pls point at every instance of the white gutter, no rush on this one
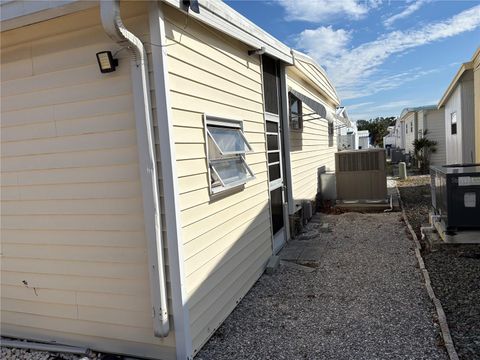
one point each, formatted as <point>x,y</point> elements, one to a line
<point>164,123</point>
<point>113,25</point>
<point>222,17</point>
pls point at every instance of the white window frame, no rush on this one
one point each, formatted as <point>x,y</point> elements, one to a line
<point>230,123</point>
<point>299,116</point>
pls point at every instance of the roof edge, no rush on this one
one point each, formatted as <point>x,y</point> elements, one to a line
<point>304,57</point>
<point>215,13</point>
<point>464,67</point>
<point>406,111</point>
<point>225,19</point>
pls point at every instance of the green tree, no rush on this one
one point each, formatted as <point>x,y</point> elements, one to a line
<point>377,128</point>
<point>423,148</point>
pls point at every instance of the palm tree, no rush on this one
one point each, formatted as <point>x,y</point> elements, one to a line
<point>423,148</point>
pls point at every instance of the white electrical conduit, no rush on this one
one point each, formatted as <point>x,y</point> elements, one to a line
<point>113,26</point>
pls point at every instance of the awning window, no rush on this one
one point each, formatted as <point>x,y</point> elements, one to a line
<point>231,172</point>
<point>229,141</point>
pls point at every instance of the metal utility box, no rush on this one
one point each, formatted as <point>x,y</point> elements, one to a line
<point>397,156</point>
<point>361,175</point>
<point>328,186</point>
<point>456,195</point>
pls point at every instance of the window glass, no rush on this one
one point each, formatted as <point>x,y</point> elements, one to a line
<point>273,157</point>
<point>272,142</point>
<point>231,171</point>
<point>227,145</point>
<point>270,84</point>
<point>272,127</point>
<point>296,120</point>
<point>453,119</point>
<point>228,140</point>
<point>277,209</point>
<point>274,172</point>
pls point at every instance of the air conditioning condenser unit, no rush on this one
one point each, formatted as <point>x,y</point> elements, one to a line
<point>361,175</point>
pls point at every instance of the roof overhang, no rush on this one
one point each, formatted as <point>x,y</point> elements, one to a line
<point>476,59</point>
<point>406,111</point>
<point>215,13</point>
<point>222,17</point>
<point>301,57</point>
<point>15,14</point>
<point>465,67</point>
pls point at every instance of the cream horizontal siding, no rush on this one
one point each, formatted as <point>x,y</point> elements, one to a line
<point>310,147</point>
<point>74,252</point>
<point>227,241</point>
<point>410,135</point>
<point>435,123</point>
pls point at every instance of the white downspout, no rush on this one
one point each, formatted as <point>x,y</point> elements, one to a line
<point>164,122</point>
<point>113,25</point>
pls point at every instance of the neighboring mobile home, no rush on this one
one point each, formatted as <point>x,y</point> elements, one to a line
<point>460,104</point>
<point>394,137</point>
<point>363,139</point>
<point>390,140</point>
<point>140,205</point>
<point>348,138</point>
<point>414,123</point>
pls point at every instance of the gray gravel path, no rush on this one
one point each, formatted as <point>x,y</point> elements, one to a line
<point>454,271</point>
<point>365,300</point>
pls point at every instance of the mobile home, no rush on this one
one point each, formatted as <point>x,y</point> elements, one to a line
<point>394,137</point>
<point>348,137</point>
<point>462,118</point>
<point>363,139</point>
<point>151,156</point>
<point>424,121</point>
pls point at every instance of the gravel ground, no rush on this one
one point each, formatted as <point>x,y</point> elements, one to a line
<point>455,275</point>
<point>417,200</point>
<point>365,300</point>
<point>25,354</point>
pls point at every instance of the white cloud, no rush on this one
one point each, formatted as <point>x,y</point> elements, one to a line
<point>410,9</point>
<point>325,40</point>
<point>377,84</point>
<point>322,10</point>
<point>352,69</point>
<point>372,110</point>
<point>359,105</point>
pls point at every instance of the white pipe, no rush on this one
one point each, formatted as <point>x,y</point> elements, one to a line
<point>113,25</point>
<point>164,122</point>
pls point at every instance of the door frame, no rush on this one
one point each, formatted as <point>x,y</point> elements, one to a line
<point>283,235</point>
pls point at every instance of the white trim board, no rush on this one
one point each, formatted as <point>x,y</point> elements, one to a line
<point>181,317</point>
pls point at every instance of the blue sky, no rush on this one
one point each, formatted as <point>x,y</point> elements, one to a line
<point>381,55</point>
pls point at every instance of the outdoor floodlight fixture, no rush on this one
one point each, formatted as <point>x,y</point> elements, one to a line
<point>106,62</point>
<point>192,5</point>
<point>260,51</point>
